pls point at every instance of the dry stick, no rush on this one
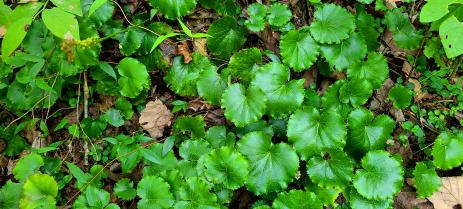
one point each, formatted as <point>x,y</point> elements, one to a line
<point>86,96</point>
<point>106,166</point>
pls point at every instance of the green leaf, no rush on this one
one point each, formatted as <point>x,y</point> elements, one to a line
<point>327,195</point>
<point>446,150</point>
<point>375,70</point>
<point>173,9</point>
<point>426,180</point>
<point>157,160</point>
<point>81,177</point>
<point>71,6</point>
<point>400,96</point>
<point>92,128</point>
<point>243,64</point>
<point>96,5</point>
<point>93,198</point>
<point>195,193</point>
<point>299,50</point>
<point>283,96</point>
<point>332,24</point>
<point>297,199</point>
<point>271,166</point>
<point>217,137</point>
<point>134,77</point>
<point>331,100</point>
<point>192,150</point>
<point>327,130</point>
<point>381,176</point>
<point>226,166</point>
<point>434,10</point>
<point>334,168</point>
<point>256,13</point>
<point>358,201</point>
<point>210,86</point>
<point>365,1</point>
<point>255,24</point>
<point>131,42</point>
<point>355,91</point>
<point>278,14</point>
<point>182,77</point>
<point>346,53</point>
<point>125,107</point>
<point>131,156</point>
<point>367,132</point>
<point>226,36</point>
<point>9,197</point>
<point>185,29</point>
<point>61,23</point>
<point>160,39</point>
<point>114,117</point>
<point>450,31</point>
<point>154,193</point>
<point>243,106</point>
<point>403,32</point>
<point>39,191</point>
<point>193,125</point>
<point>27,166</point>
<point>14,36</point>
<point>366,27</point>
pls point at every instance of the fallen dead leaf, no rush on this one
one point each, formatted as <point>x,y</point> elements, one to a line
<point>200,46</point>
<point>198,105</point>
<point>184,50</point>
<point>397,114</point>
<point>406,68</point>
<point>417,89</point>
<point>154,118</point>
<point>450,194</point>
<point>106,103</point>
<point>378,100</point>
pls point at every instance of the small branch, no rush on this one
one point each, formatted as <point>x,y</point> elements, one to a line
<point>86,96</point>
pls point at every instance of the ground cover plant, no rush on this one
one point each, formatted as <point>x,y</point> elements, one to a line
<point>231,104</point>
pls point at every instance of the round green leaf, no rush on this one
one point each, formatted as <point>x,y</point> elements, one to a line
<point>355,91</point>
<point>297,199</point>
<point>332,169</point>
<point>243,106</point>
<point>226,36</point>
<point>9,197</point>
<point>243,63</point>
<point>311,131</point>
<point>403,32</point>
<point>172,9</point>
<point>131,42</point>
<point>256,13</point>
<point>272,166</point>
<point>61,24</point>
<point>71,6</point>
<point>358,201</point>
<point>446,150</point>
<point>332,24</point>
<point>381,176</point>
<point>283,97</point>
<point>346,53</point>
<point>27,166</point>
<point>299,50</point>
<point>278,14</point>
<point>114,117</point>
<point>400,96</point>
<point>426,180</point>
<point>375,70</point>
<point>193,125</point>
<point>255,24</point>
<point>226,166</point>
<point>330,99</point>
<point>93,198</point>
<point>210,86</point>
<point>450,33</point>
<point>366,132</point>
<point>154,193</point>
<point>124,189</point>
<point>39,191</point>
<point>434,10</point>
<point>134,77</point>
<point>367,28</point>
<point>192,150</point>
<point>195,193</point>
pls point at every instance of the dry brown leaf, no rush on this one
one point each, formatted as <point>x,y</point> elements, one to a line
<point>450,194</point>
<point>155,117</point>
<point>417,88</point>
<point>184,50</point>
<point>200,46</point>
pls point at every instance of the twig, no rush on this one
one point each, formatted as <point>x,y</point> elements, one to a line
<point>86,96</point>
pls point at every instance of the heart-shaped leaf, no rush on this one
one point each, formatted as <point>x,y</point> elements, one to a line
<point>374,70</point>
<point>426,180</point>
<point>332,24</point>
<point>172,9</point>
<point>226,166</point>
<point>297,199</point>
<point>226,36</point>
<point>334,168</point>
<point>446,150</point>
<point>346,53</point>
<point>134,77</point>
<point>299,50</point>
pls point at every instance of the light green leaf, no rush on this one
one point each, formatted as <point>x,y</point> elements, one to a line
<point>27,166</point>
<point>226,36</point>
<point>154,193</point>
<point>403,32</point>
<point>61,24</point>
<point>358,201</point>
<point>14,36</point>
<point>375,70</point>
<point>400,96</point>
<point>331,100</point>
<point>255,24</point>
<point>367,132</point>
<point>446,150</point>
<point>39,191</point>
<point>299,50</point>
<point>93,198</point>
<point>114,117</point>
<point>278,14</point>
<point>434,10</point>
<point>450,33</point>
<point>96,5</point>
<point>185,29</point>
<point>332,24</point>
<point>381,176</point>
<point>346,53</point>
<point>355,91</point>
<point>226,166</point>
<point>194,125</point>
<point>426,180</point>
<point>160,39</point>
<point>297,199</point>
<point>9,198</point>
<point>334,168</point>
<point>156,160</point>
<point>195,193</point>
<point>284,96</point>
<point>367,28</point>
<point>327,130</point>
<point>272,166</point>
<point>365,1</point>
<point>71,6</point>
<point>134,77</point>
<point>243,106</point>
<point>210,86</point>
<point>256,10</point>
<point>173,9</point>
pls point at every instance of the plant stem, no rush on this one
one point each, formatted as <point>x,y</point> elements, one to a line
<point>86,96</point>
